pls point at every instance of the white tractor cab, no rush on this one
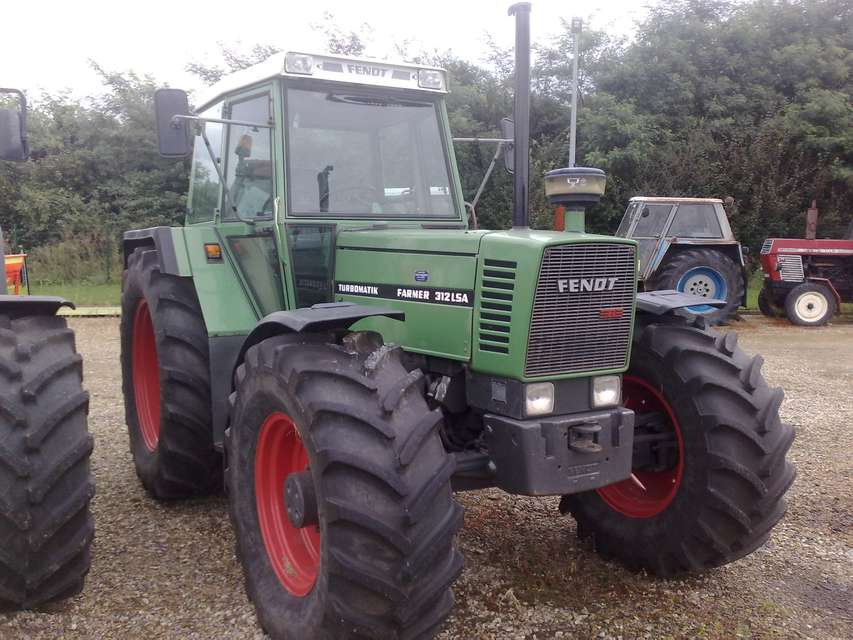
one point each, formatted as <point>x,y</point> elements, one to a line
<point>687,244</point>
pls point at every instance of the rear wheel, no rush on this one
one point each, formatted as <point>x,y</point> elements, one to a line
<point>709,467</point>
<point>340,495</point>
<point>707,273</point>
<point>166,381</point>
<point>766,306</point>
<point>46,528</point>
<point>810,304</point>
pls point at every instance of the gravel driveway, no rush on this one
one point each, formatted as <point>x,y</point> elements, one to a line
<point>168,571</point>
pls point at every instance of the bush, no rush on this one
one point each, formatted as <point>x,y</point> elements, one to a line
<point>90,257</point>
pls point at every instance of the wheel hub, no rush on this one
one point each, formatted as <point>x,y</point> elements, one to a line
<point>811,306</point>
<point>301,499</point>
<point>700,286</point>
<point>657,473</point>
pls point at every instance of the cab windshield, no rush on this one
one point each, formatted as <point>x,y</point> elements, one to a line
<point>357,154</point>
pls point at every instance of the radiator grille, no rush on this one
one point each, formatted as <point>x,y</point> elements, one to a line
<point>791,268</point>
<point>573,329</point>
<point>497,290</point>
<point>766,246</point>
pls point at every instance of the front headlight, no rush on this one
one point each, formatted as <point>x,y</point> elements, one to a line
<point>539,398</point>
<point>606,391</point>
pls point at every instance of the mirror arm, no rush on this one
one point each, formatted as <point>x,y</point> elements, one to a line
<point>198,119</point>
<point>228,201</point>
<point>491,168</point>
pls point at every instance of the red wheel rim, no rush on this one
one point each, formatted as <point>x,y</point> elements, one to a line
<point>658,487</point>
<point>146,376</point>
<point>293,553</point>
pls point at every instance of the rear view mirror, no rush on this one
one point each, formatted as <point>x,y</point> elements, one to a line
<point>173,134</point>
<point>13,129</point>
<point>508,133</point>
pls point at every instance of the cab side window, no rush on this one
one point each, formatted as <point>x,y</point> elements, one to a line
<point>205,187</point>
<point>249,167</point>
<point>695,221</point>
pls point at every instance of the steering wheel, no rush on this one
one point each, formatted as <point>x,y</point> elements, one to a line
<point>362,194</point>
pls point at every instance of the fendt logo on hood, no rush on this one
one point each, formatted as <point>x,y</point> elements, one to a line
<point>578,285</point>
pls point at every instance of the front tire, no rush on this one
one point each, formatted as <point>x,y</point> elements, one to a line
<point>708,273</point>
<point>810,305</point>
<point>712,487</point>
<point>165,366</point>
<point>46,485</point>
<point>378,558</point>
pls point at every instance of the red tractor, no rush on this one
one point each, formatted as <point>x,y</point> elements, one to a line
<point>807,279</point>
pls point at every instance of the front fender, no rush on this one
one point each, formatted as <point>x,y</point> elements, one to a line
<point>665,301</point>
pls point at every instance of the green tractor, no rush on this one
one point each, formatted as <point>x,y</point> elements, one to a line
<point>327,332</point>
<point>46,528</point>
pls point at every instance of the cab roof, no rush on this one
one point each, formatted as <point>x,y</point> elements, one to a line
<point>325,66</point>
<point>668,200</point>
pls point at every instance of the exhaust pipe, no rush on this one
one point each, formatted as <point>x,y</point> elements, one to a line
<point>521,115</point>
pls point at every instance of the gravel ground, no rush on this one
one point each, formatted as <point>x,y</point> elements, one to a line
<point>168,571</point>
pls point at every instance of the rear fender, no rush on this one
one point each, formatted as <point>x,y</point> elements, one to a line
<point>169,243</point>
<point>828,283</point>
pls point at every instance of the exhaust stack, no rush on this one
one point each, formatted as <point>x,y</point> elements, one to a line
<point>521,115</point>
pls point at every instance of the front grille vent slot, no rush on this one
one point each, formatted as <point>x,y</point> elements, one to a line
<point>497,292</point>
<point>767,246</point>
<point>791,268</point>
<point>580,323</point>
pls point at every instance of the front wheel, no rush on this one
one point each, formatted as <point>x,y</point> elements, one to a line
<point>340,497</point>
<point>709,468</point>
<point>810,305</point>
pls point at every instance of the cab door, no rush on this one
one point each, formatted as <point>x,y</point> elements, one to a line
<point>246,222</point>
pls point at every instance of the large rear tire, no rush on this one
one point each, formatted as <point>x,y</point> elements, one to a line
<point>378,556</point>
<point>708,273</point>
<point>165,366</point>
<point>712,487</point>
<point>766,306</point>
<point>46,528</point>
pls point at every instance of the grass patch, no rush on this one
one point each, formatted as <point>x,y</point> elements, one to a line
<point>82,294</point>
<point>753,286</point>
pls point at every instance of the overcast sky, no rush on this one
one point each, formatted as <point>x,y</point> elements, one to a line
<point>46,44</point>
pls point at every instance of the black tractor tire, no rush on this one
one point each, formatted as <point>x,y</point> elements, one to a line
<point>683,261</point>
<point>766,306</point>
<point>46,528</point>
<point>810,304</point>
<point>734,475</point>
<point>165,365</point>
<point>386,516</point>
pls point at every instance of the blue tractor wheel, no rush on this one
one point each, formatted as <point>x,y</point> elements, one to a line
<point>706,272</point>
<point>705,282</point>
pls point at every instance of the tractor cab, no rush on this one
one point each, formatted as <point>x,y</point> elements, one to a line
<point>687,244</point>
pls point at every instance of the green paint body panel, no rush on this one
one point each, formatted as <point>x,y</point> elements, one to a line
<point>393,257</point>
<point>225,303</point>
<point>440,254</point>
